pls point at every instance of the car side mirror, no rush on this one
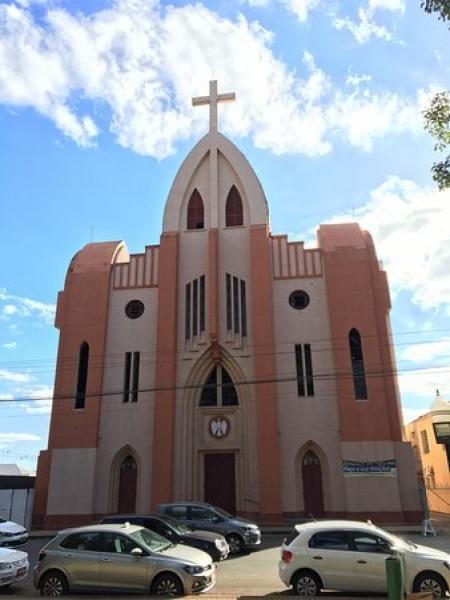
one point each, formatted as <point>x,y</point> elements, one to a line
<point>216,520</point>
<point>137,552</point>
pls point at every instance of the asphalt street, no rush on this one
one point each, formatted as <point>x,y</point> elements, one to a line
<point>252,574</point>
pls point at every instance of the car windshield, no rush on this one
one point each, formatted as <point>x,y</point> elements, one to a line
<point>177,525</point>
<point>222,513</point>
<point>396,541</point>
<point>151,540</point>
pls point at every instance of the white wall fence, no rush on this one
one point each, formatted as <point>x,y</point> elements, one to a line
<point>17,505</point>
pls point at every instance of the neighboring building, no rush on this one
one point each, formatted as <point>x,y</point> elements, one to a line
<point>16,494</point>
<point>226,364</point>
<point>430,437</point>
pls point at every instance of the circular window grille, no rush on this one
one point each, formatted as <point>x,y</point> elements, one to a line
<point>134,309</point>
<point>299,299</point>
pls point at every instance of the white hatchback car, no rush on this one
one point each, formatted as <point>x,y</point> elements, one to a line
<point>13,566</point>
<point>350,556</point>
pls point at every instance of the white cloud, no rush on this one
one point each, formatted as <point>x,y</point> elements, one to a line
<point>256,3</point>
<point>12,438</point>
<point>10,309</point>
<point>409,224</point>
<point>301,8</point>
<point>42,400</point>
<point>392,5</point>
<point>132,59</point>
<point>355,80</point>
<point>410,414</point>
<point>430,351</point>
<point>6,397</point>
<point>26,307</point>
<point>10,345</point>
<point>15,377</point>
<point>364,29</point>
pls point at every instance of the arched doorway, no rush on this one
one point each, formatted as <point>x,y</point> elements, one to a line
<point>127,485</point>
<point>312,485</point>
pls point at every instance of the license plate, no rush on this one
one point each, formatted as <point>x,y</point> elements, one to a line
<point>6,580</point>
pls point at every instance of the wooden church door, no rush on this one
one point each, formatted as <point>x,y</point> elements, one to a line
<point>312,485</point>
<point>220,481</point>
<point>127,485</point>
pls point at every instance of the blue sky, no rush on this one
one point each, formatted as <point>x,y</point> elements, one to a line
<point>95,118</point>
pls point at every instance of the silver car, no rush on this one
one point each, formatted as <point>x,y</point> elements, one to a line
<point>121,558</point>
<point>12,534</point>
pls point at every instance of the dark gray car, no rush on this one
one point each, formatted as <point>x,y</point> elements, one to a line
<point>239,532</point>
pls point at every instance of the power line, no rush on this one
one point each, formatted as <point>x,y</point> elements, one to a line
<point>331,376</point>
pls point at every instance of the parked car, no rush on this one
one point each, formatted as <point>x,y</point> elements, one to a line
<point>12,534</point>
<point>210,542</point>
<point>121,558</point>
<point>350,556</point>
<point>239,532</point>
<point>13,566</point>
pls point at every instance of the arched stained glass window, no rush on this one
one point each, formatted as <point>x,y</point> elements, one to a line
<point>356,355</point>
<point>195,211</point>
<point>219,389</point>
<point>83,364</point>
<point>233,208</point>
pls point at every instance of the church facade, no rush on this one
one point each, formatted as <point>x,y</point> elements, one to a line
<point>226,364</point>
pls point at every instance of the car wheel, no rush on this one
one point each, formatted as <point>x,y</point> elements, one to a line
<point>167,584</point>
<point>306,583</point>
<point>432,583</point>
<point>235,542</point>
<point>53,584</point>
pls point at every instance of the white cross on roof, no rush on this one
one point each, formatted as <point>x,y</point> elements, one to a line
<point>212,100</point>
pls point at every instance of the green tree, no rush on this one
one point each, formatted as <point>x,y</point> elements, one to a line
<point>437,115</point>
<point>440,6</point>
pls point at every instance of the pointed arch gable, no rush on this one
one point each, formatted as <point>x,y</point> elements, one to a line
<point>258,213</point>
<point>234,214</point>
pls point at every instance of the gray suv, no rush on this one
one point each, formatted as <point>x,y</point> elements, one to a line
<point>121,558</point>
<point>240,533</point>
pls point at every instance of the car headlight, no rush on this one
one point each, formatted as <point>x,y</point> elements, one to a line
<point>193,570</point>
<point>5,566</point>
<point>218,544</point>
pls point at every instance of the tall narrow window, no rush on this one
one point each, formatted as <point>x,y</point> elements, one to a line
<point>236,304</point>
<point>309,371</point>
<point>195,307</point>
<point>202,303</point>
<point>233,208</point>
<point>356,355</point>
<point>187,315</point>
<point>299,367</point>
<point>243,309</point>
<point>135,383</point>
<point>229,394</point>
<point>228,292</point>
<point>195,211</point>
<point>209,391</point>
<point>83,364</point>
<point>127,377</point>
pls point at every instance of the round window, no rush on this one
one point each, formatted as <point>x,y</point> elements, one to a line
<point>299,299</point>
<point>134,309</point>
